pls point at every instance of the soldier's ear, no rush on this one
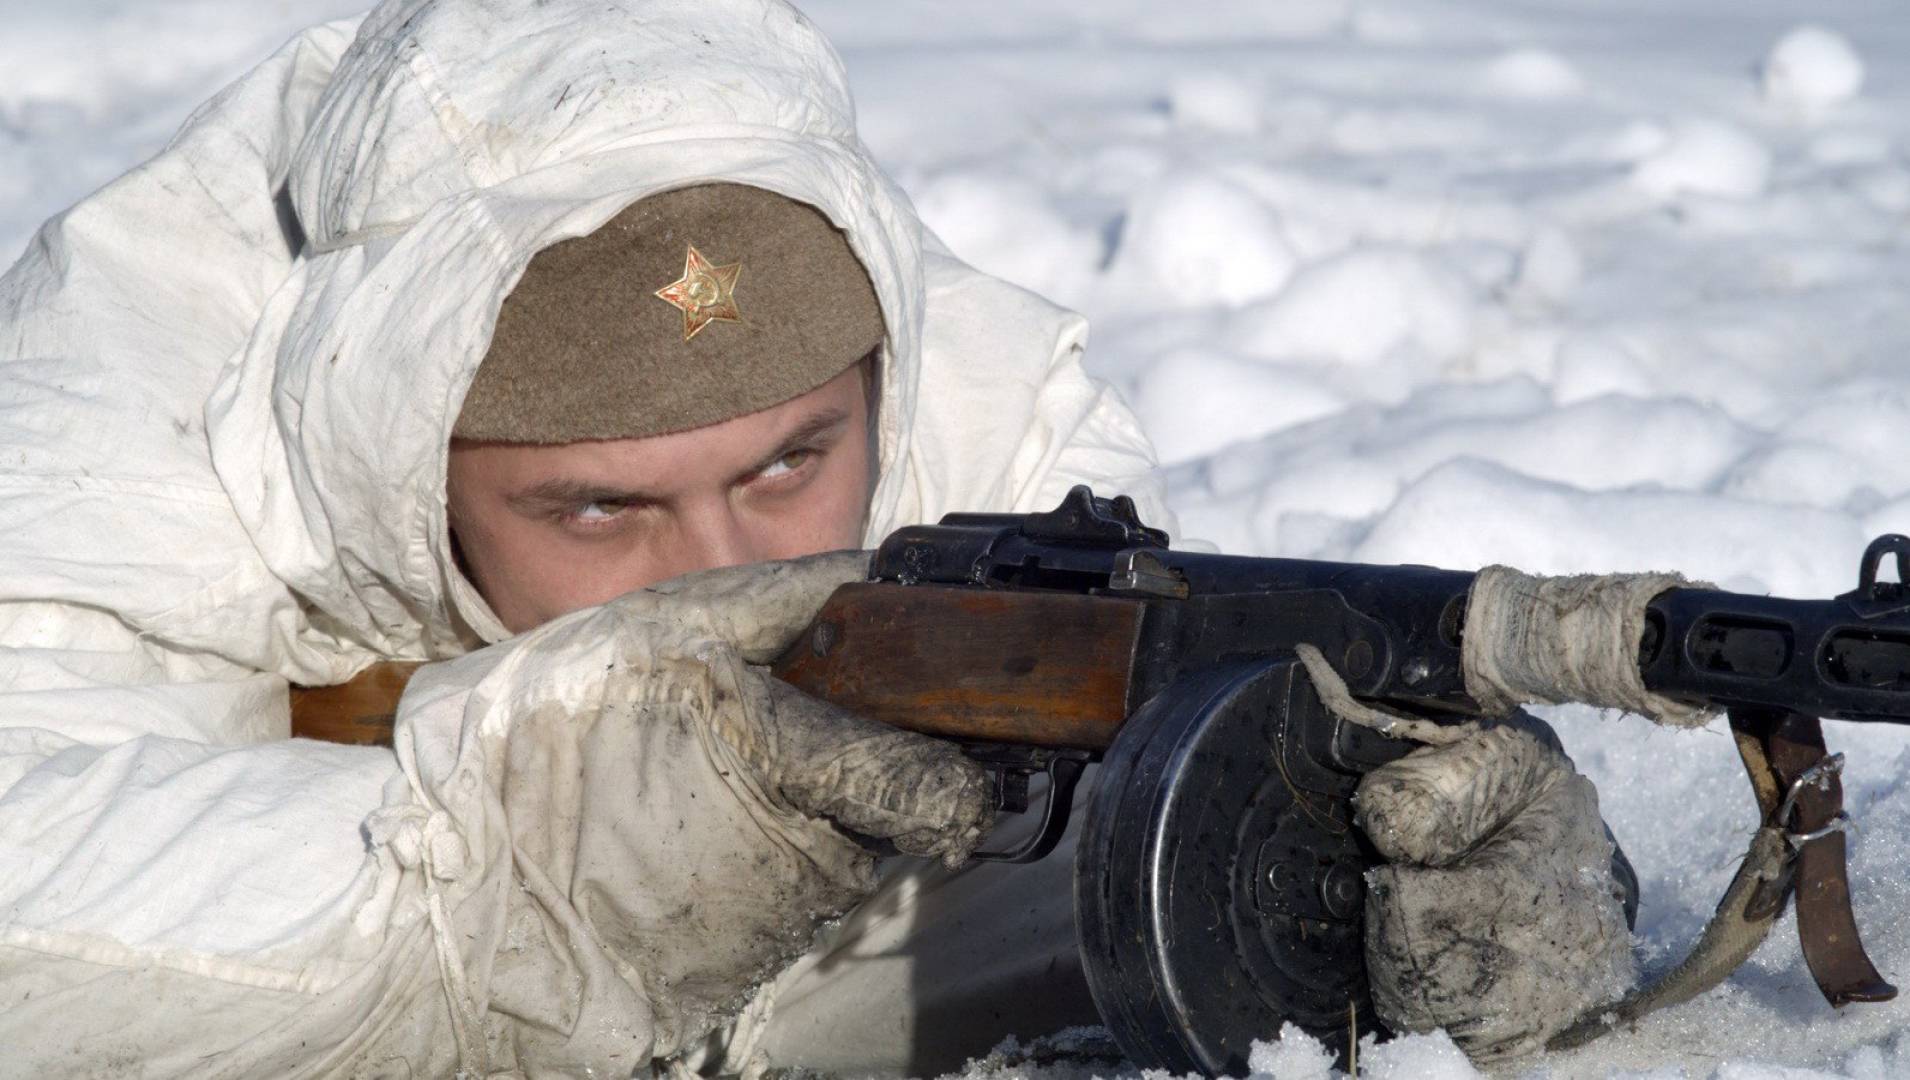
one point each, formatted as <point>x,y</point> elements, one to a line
<point>872,401</point>
<point>872,380</point>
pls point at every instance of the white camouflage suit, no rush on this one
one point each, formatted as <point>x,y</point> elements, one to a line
<point>227,383</point>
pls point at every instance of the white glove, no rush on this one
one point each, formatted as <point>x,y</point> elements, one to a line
<point>1499,915</point>
<point>743,786</point>
<point>805,753</point>
<point>673,815</point>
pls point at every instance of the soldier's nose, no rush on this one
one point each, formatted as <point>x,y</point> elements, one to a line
<point>715,537</point>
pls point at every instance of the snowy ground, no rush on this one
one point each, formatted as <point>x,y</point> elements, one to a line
<point>1570,286</point>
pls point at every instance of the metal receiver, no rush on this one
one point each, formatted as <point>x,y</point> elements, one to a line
<point>1219,881</point>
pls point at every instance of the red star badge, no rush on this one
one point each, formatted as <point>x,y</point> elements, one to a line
<point>704,293</point>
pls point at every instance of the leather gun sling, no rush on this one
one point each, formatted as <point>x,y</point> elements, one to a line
<point>1793,743</point>
<point>1778,748</point>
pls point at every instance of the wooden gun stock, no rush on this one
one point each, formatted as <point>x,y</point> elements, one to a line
<point>1042,669</point>
<point>359,712</point>
<point>1046,669</point>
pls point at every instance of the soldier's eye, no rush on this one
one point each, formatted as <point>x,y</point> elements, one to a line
<point>787,464</point>
<point>595,513</point>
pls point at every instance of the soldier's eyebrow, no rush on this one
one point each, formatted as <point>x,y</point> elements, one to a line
<point>823,427</point>
<point>563,493</point>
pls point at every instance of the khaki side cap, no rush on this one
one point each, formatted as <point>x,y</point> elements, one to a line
<point>585,349</point>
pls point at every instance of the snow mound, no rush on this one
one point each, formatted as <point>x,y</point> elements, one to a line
<point>1195,240</point>
<point>1360,308</point>
<point>1592,364</point>
<point>1295,1055</point>
<point>1010,227</point>
<point>1812,67</point>
<point>1706,158</point>
<point>1415,1057</point>
<point>1550,267</point>
<point>1532,73</point>
<point>1197,401</point>
<point>1214,102</point>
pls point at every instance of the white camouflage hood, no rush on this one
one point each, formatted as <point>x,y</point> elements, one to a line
<point>455,140</point>
<point>227,383</point>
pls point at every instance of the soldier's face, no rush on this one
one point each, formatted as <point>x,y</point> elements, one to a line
<point>545,530</point>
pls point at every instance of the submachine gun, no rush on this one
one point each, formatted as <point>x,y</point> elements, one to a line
<point>1219,880</point>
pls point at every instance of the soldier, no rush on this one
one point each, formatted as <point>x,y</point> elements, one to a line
<point>464,334</point>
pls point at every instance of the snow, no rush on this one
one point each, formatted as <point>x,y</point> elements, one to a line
<point>1195,240</point>
<point>1533,73</point>
<point>1216,102</point>
<point>1706,158</point>
<point>1574,287</point>
<point>1812,67</point>
<point>1293,1056</point>
<point>1363,307</point>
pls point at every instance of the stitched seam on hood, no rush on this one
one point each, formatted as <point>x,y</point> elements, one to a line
<point>423,572</point>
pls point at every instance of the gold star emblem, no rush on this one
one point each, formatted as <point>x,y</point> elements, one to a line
<point>704,293</point>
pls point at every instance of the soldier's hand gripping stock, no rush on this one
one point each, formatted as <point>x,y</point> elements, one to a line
<point>702,816</point>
